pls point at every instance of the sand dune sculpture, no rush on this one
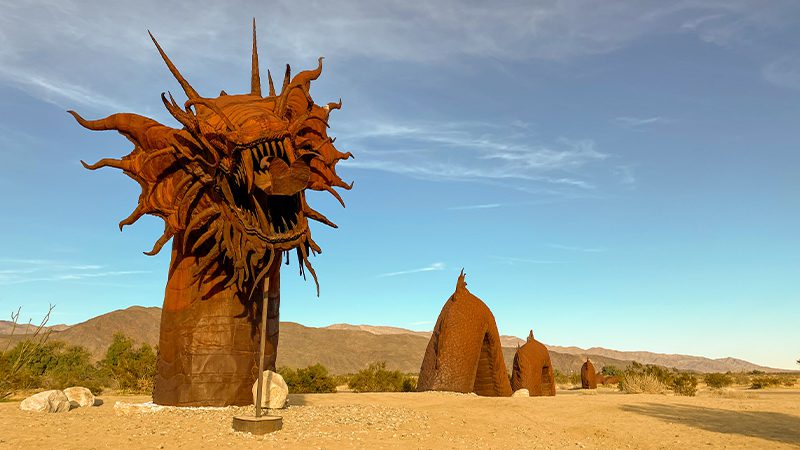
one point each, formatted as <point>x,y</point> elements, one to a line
<point>532,369</point>
<point>464,352</point>
<point>588,377</point>
<point>230,187</point>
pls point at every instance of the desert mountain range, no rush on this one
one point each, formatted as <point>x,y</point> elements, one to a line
<point>344,348</point>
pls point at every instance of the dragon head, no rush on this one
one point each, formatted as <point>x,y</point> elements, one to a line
<point>230,185</point>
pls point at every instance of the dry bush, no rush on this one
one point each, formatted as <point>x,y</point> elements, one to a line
<point>764,382</point>
<point>684,384</point>
<point>641,383</point>
<point>14,362</point>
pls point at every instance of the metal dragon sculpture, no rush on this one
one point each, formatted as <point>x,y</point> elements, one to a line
<point>230,187</point>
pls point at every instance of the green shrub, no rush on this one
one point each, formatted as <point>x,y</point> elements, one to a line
<point>684,384</point>
<point>764,382</point>
<point>612,371</point>
<point>311,380</point>
<point>130,369</point>
<point>376,378</point>
<point>559,377</point>
<point>52,365</point>
<point>718,380</point>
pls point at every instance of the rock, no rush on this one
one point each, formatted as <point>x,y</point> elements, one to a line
<point>80,395</point>
<point>46,401</point>
<point>521,393</point>
<point>275,391</point>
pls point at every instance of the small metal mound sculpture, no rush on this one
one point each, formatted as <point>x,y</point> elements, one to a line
<point>464,353</point>
<point>532,369</point>
<point>230,187</point>
<point>606,380</point>
<point>588,377</point>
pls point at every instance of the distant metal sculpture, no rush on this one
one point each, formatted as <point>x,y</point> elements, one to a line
<point>464,352</point>
<point>229,186</point>
<point>588,380</point>
<point>532,369</point>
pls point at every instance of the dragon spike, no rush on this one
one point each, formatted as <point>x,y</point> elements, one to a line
<point>271,86</point>
<point>286,78</point>
<point>255,78</point>
<point>187,88</point>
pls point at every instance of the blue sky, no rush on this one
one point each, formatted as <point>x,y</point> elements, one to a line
<point>609,173</point>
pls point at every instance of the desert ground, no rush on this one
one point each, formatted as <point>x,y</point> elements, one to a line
<point>573,419</point>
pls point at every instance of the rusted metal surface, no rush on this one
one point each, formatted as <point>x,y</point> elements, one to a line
<point>464,353</point>
<point>230,187</point>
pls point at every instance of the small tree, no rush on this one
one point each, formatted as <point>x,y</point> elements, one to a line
<point>132,369</point>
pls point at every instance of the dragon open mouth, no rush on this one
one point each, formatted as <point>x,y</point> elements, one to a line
<point>269,190</point>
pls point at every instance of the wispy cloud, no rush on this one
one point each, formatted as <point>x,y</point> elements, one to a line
<point>638,122</point>
<point>577,248</point>
<point>72,42</point>
<point>784,72</point>
<point>20,270</point>
<point>430,268</point>
<point>470,151</point>
<point>626,175</point>
<point>423,322</point>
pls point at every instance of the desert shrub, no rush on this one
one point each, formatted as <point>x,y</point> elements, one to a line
<point>14,373</point>
<point>130,369</point>
<point>311,380</point>
<point>375,378</point>
<point>559,377</point>
<point>641,383</point>
<point>72,366</point>
<point>765,381</point>
<point>718,380</point>
<point>662,374</point>
<point>53,365</point>
<point>409,384</point>
<point>788,381</point>
<point>740,378</point>
<point>612,371</point>
<point>684,384</point>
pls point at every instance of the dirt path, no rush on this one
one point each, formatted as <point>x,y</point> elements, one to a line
<point>572,419</point>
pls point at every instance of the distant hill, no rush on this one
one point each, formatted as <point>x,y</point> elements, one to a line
<point>137,322</point>
<point>7,327</point>
<point>345,348</point>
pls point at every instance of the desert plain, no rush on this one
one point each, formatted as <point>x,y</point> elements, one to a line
<point>605,418</point>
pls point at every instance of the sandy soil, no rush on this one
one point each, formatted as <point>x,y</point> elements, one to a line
<point>572,419</point>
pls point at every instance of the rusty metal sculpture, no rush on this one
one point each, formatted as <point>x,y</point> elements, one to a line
<point>230,187</point>
<point>588,377</point>
<point>532,369</point>
<point>464,352</point>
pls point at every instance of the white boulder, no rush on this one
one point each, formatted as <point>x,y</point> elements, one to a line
<point>274,391</point>
<point>46,401</point>
<point>80,395</point>
<point>521,393</point>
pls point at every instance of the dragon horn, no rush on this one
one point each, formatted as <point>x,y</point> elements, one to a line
<point>187,88</point>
